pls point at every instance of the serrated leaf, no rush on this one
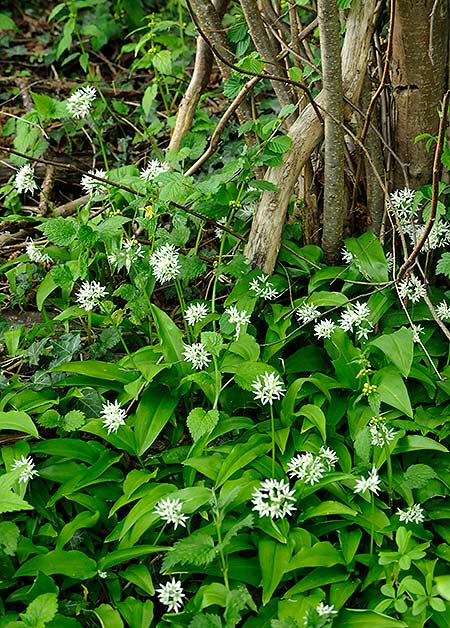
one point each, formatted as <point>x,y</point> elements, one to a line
<point>11,502</point>
<point>233,85</point>
<point>213,342</point>
<point>162,61</point>
<point>280,144</point>
<point>149,97</point>
<point>40,611</point>
<point>200,422</point>
<point>61,231</point>
<point>443,265</point>
<point>175,187</point>
<point>73,420</point>
<point>197,549</point>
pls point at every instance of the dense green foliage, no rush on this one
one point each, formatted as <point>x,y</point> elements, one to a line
<point>166,382</point>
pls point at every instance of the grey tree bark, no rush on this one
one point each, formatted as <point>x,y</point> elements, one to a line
<point>265,235</point>
<point>419,79</point>
<point>333,194</point>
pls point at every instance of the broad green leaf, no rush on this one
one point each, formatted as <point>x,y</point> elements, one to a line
<point>72,448</point>
<point>18,421</point>
<point>273,560</point>
<point>392,390</point>
<point>349,618</point>
<point>162,61</point>
<point>40,611</point>
<point>9,537</point>
<point>11,502</point>
<point>129,553</point>
<point>415,442</point>
<point>97,369</point>
<point>200,422</point>
<point>319,577</point>
<point>155,409</point>
<point>140,576</point>
<point>149,97</point>
<point>279,144</point>
<point>368,256</point>
<point>171,336</point>
<point>6,23</point>
<point>316,417</point>
<point>88,476</point>
<point>398,347</point>
<point>418,476</point>
<point>328,508</point>
<point>443,586</point>
<point>84,519</point>
<point>137,614</point>
<point>108,616</point>
<point>322,554</point>
<point>241,455</point>
<point>74,564</point>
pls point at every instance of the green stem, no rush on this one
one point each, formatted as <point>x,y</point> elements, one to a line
<point>89,325</point>
<point>372,526</point>
<point>389,473</point>
<point>218,382</point>
<point>272,427</point>
<point>223,560</point>
<point>182,303</point>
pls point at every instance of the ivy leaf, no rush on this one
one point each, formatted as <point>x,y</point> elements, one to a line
<point>64,348</point>
<point>61,231</point>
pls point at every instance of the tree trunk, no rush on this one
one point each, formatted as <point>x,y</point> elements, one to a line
<point>419,80</point>
<point>265,236</point>
<point>333,194</point>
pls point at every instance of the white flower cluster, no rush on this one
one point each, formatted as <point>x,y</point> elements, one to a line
<point>27,468</point>
<point>402,202</point>
<point>311,468</point>
<point>197,355</point>
<point>195,313</point>
<point>443,311</point>
<point>113,416</point>
<point>166,263</point>
<point>80,103</point>
<point>273,499</point>
<point>35,254</point>
<point>238,318</point>
<point>92,186</point>
<point>218,231</point>
<point>411,288</point>
<point>24,179</point>
<point>355,318</point>
<point>128,254</point>
<point>170,511</point>
<point>370,483</point>
<point>325,328</point>
<point>347,256</point>
<point>417,331</point>
<point>171,595</point>
<point>268,387</point>
<point>412,514</point>
<point>90,295</point>
<point>306,313</point>
<point>380,435</point>
<point>247,211</point>
<point>154,168</point>
<point>263,288</point>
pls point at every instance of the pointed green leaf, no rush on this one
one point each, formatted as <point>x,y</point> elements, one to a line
<point>18,421</point>
<point>74,564</point>
<point>398,347</point>
<point>108,616</point>
<point>155,409</point>
<point>273,560</point>
<point>392,390</point>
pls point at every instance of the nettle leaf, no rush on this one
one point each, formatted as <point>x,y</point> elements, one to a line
<point>40,611</point>
<point>418,476</point>
<point>212,341</point>
<point>73,420</point>
<point>279,144</point>
<point>197,549</point>
<point>11,502</point>
<point>206,621</point>
<point>9,537</point>
<point>61,231</point>
<point>443,265</point>
<point>174,187</point>
<point>200,422</point>
<point>162,61</point>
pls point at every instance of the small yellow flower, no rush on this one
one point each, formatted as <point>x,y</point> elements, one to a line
<point>148,211</point>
